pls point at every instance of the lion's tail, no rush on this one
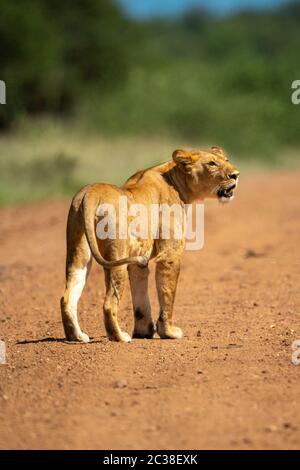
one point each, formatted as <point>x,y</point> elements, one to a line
<point>90,203</point>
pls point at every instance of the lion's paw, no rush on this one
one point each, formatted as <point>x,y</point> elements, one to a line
<point>170,332</point>
<point>143,331</point>
<point>79,338</point>
<point>122,338</point>
<point>126,338</point>
<point>174,333</point>
<point>83,338</point>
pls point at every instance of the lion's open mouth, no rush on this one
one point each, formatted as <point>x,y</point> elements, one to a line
<point>226,194</point>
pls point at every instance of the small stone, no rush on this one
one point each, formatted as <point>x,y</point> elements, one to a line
<point>247,441</point>
<point>250,253</point>
<point>199,371</point>
<point>121,383</point>
<point>272,326</point>
<point>287,426</point>
<point>272,428</point>
<point>199,333</point>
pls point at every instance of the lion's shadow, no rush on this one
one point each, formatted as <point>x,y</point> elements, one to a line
<point>52,339</point>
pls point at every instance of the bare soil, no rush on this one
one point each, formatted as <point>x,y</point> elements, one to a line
<point>229,383</point>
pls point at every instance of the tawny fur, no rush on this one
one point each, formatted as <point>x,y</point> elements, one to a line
<point>189,176</point>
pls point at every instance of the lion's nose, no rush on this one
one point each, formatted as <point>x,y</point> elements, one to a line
<point>234,175</point>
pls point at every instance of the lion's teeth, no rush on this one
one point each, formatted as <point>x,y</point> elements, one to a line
<point>226,199</point>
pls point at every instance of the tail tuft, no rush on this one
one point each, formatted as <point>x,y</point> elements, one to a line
<point>142,261</point>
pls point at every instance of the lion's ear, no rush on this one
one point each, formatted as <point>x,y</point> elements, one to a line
<point>217,150</point>
<point>184,159</point>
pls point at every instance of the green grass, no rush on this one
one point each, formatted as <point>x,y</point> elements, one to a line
<point>47,159</point>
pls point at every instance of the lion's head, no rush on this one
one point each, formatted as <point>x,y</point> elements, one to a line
<point>209,174</point>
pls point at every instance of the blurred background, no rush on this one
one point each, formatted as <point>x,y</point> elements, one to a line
<point>96,89</point>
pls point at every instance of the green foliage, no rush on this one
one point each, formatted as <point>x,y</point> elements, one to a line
<point>224,81</point>
<point>51,51</point>
<point>39,178</point>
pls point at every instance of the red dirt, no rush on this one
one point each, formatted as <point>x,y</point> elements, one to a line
<point>232,385</point>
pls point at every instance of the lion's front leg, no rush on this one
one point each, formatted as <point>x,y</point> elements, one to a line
<point>143,324</point>
<point>167,273</point>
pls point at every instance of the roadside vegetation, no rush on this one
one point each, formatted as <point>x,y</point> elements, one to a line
<point>93,95</point>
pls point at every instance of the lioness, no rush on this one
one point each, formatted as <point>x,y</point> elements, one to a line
<point>189,176</point>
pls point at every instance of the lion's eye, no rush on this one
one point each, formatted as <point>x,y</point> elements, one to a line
<point>212,163</point>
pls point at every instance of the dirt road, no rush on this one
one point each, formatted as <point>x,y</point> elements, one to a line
<point>228,384</point>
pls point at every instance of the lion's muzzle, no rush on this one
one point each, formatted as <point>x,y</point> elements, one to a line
<point>225,193</point>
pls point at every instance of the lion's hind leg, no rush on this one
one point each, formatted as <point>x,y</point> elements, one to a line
<point>114,280</point>
<point>77,269</point>
<point>74,287</point>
